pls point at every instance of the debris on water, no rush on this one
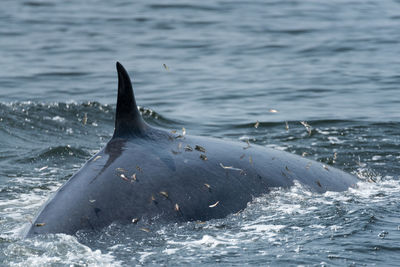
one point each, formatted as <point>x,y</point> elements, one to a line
<point>334,157</point>
<point>96,158</point>
<point>248,144</point>
<point>188,148</point>
<point>165,67</point>
<point>139,169</point>
<point>175,152</point>
<point>214,205</point>
<point>173,131</point>
<point>153,199</point>
<point>164,194</point>
<point>242,156</point>
<point>176,207</point>
<point>135,220</point>
<point>229,167</point>
<point>183,131</point>
<point>208,186</point>
<point>200,148</point>
<point>304,154</point>
<point>243,172</point>
<point>92,200</point>
<point>40,224</point>
<point>325,167</point>
<point>124,177</point>
<point>203,157</point>
<point>257,124</point>
<point>308,165</point>
<point>133,177</point>
<point>286,126</point>
<point>318,183</point>
<point>147,230</point>
<point>383,234</point>
<point>84,119</point>
<point>43,168</point>
<point>120,170</point>
<point>200,222</point>
<point>307,126</point>
<point>273,110</point>
<point>237,213</point>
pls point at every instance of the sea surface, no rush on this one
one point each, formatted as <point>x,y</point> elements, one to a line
<point>216,68</point>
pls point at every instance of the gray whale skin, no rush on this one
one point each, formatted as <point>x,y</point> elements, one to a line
<point>145,173</point>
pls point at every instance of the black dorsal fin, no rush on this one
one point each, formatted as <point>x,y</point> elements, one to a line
<point>128,121</point>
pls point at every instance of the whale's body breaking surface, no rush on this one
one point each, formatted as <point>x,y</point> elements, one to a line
<point>145,173</point>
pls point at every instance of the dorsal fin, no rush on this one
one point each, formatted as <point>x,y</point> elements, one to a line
<point>128,121</point>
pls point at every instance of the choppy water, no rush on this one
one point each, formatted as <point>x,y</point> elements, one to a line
<point>333,64</point>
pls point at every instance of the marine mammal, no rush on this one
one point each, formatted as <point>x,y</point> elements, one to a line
<point>144,173</point>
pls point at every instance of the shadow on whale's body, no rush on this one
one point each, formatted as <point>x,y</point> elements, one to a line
<point>144,173</point>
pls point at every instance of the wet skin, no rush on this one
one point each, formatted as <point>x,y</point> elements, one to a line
<point>146,173</point>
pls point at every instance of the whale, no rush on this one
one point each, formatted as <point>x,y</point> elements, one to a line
<point>160,176</point>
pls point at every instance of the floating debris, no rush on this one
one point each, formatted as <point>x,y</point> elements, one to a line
<point>308,127</point>
<point>243,172</point>
<point>135,220</point>
<point>153,199</point>
<point>200,222</point>
<point>40,224</point>
<point>43,168</point>
<point>96,158</point>
<point>124,177</point>
<point>200,148</point>
<point>304,154</point>
<point>237,213</point>
<point>214,205</point>
<point>173,131</point>
<point>176,207</point>
<point>147,230</point>
<point>325,167</point>
<point>308,165</point>
<point>139,169</point>
<point>92,200</point>
<point>183,131</point>
<point>188,148</point>
<point>229,167</point>
<point>203,157</point>
<point>133,177</point>
<point>208,186</point>
<point>165,67</point>
<point>257,124</point>
<point>84,119</point>
<point>273,110</point>
<point>318,183</point>
<point>164,194</point>
<point>242,156</point>
<point>120,170</point>
<point>334,157</point>
<point>248,144</point>
<point>286,126</point>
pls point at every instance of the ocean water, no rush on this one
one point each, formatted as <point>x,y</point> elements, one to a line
<point>215,68</point>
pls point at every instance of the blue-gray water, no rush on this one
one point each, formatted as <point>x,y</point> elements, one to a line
<point>334,64</point>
